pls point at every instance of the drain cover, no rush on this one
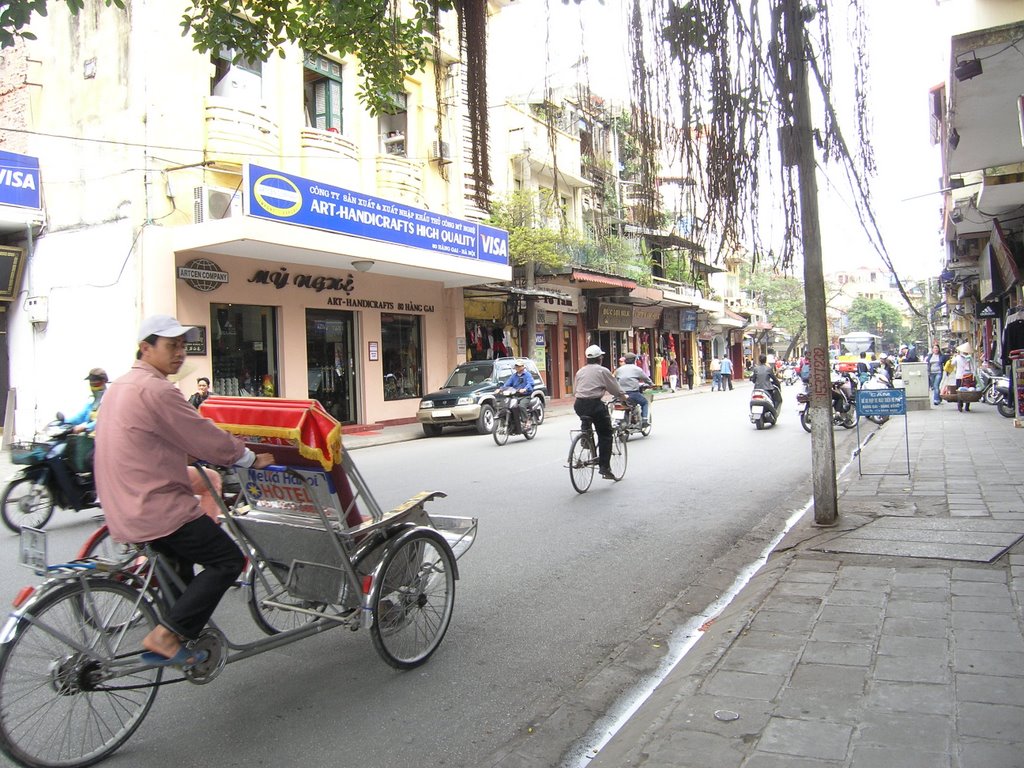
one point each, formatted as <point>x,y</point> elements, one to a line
<point>973,539</point>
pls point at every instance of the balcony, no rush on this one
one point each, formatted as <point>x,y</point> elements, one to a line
<point>236,129</point>
<point>319,145</point>
<point>400,179</point>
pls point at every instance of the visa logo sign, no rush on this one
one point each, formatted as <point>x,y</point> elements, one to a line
<point>493,244</point>
<point>19,180</point>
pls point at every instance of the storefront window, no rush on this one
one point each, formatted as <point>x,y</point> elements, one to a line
<point>402,355</point>
<point>331,362</point>
<point>244,349</point>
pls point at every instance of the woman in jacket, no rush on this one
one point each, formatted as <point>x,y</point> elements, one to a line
<point>935,362</point>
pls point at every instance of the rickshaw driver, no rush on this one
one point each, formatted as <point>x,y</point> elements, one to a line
<point>592,381</point>
<point>143,445</point>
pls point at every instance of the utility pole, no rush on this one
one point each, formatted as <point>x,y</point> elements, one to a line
<point>823,449</point>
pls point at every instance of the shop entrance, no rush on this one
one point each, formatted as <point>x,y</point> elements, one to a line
<point>331,362</point>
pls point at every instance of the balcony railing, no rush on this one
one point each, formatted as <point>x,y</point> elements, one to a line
<point>236,129</point>
<point>400,178</point>
<point>319,145</point>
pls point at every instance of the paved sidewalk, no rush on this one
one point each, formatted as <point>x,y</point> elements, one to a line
<point>886,641</point>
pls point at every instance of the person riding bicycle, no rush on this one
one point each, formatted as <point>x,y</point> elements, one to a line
<point>631,377</point>
<point>592,381</point>
<point>522,382</point>
<point>143,444</point>
<point>764,378</point>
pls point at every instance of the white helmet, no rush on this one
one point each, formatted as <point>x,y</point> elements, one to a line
<point>594,352</point>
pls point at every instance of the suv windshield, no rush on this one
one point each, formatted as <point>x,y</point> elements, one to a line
<point>469,374</point>
<point>503,370</point>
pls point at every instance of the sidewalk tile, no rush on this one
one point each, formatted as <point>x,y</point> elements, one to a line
<point>924,698</point>
<point>856,597</point>
<point>769,639</point>
<point>975,753</point>
<point>988,662</point>
<point>851,614</point>
<point>989,621</point>
<point>915,610</point>
<point>805,738</point>
<point>913,669</point>
<point>892,729</point>
<point>694,748</point>
<point>979,574</point>
<point>768,760</point>
<point>844,632</point>
<point>744,685</point>
<point>901,626</point>
<point>901,645</point>
<point>976,604</point>
<point>898,757</point>
<point>985,640</point>
<point>978,588</point>
<point>845,654</point>
<point>990,721</point>
<point>759,661</point>
<point>991,689</point>
<point>927,579</point>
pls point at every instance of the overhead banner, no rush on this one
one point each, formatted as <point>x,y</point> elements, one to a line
<point>19,180</point>
<point>278,196</point>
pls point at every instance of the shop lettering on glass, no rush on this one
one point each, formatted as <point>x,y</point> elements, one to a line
<point>280,278</point>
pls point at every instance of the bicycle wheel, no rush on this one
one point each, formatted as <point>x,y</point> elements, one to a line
<point>413,606</point>
<point>100,545</point>
<point>805,419</point>
<point>500,433</point>
<point>618,460</point>
<point>582,460</point>
<point>26,503</point>
<point>58,704</point>
<point>268,618</point>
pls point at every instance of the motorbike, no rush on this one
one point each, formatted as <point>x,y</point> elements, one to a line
<point>790,376</point>
<point>1005,403</point>
<point>989,373</point>
<point>765,405</point>
<point>507,416</point>
<point>628,419</point>
<point>842,404</point>
<point>878,380</point>
<point>46,480</point>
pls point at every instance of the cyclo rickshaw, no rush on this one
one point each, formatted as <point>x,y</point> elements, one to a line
<point>322,554</point>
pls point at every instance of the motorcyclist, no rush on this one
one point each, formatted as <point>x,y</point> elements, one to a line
<point>631,377</point>
<point>521,382</point>
<point>764,378</point>
<point>592,381</point>
<point>888,367</point>
<point>85,419</point>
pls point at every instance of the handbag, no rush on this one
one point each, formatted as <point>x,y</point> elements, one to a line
<point>950,366</point>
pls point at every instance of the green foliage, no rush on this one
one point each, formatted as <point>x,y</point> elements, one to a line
<point>782,297</point>
<point>878,317</point>
<point>528,239</point>
<point>388,47</point>
<point>15,15</point>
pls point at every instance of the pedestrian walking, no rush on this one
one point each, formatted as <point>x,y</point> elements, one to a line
<point>726,372</point>
<point>689,373</point>
<point>716,374</point>
<point>964,372</point>
<point>936,361</point>
<point>673,374</point>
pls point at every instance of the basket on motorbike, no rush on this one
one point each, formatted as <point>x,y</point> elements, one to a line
<point>28,453</point>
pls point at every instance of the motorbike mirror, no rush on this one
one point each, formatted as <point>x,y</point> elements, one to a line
<point>60,416</point>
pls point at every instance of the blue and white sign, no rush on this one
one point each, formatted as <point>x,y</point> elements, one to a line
<point>19,180</point>
<point>881,402</point>
<point>280,196</point>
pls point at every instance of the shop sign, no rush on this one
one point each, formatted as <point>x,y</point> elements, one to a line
<point>614,317</point>
<point>202,275</point>
<point>670,320</point>
<point>986,309</point>
<point>19,180</point>
<point>646,317</point>
<point>279,196</point>
<point>11,260</point>
<point>298,490</point>
<point>281,278</point>
<point>198,344</point>
<point>688,320</point>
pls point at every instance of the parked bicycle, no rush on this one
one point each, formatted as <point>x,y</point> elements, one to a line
<point>583,461</point>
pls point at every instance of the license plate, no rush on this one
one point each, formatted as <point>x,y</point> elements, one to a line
<point>756,410</point>
<point>441,414</point>
<point>618,415</point>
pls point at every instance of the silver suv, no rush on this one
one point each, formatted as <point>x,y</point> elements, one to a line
<point>467,397</point>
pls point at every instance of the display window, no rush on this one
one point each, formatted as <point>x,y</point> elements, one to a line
<point>244,350</point>
<point>402,356</point>
<point>331,362</point>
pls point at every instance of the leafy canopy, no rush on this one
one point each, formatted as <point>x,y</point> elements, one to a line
<point>878,317</point>
<point>388,46</point>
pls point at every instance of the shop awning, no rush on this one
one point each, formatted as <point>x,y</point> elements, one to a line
<point>569,179</point>
<point>583,278</point>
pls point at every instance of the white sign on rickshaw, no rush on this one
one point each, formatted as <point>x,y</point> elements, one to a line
<point>297,490</point>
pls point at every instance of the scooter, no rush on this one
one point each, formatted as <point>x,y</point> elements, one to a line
<point>507,416</point>
<point>765,405</point>
<point>628,418</point>
<point>842,404</point>
<point>1005,403</point>
<point>989,373</point>
<point>46,480</point>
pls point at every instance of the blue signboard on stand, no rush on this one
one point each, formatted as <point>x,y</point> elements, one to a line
<point>881,402</point>
<point>279,196</point>
<point>19,180</point>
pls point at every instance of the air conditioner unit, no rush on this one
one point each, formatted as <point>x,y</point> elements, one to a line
<point>439,150</point>
<point>211,203</point>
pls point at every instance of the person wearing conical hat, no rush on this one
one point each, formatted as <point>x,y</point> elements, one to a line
<point>964,371</point>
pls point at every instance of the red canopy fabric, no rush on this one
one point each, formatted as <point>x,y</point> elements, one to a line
<point>300,423</point>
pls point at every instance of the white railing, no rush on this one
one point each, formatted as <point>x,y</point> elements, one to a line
<point>236,129</point>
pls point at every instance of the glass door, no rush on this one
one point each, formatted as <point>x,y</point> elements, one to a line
<point>331,362</point>
<point>569,358</point>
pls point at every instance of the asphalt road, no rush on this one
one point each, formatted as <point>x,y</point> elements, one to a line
<point>556,583</point>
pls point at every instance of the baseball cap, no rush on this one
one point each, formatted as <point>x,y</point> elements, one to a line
<point>165,325</point>
<point>520,364</point>
<point>97,374</point>
<point>593,352</point>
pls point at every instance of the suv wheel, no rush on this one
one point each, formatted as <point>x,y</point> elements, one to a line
<point>432,430</point>
<point>538,410</point>
<point>485,421</point>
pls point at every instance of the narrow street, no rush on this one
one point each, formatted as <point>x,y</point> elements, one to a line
<point>556,583</point>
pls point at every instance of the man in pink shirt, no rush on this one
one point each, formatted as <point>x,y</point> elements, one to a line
<point>143,444</point>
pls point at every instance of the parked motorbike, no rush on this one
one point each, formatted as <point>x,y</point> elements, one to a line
<point>628,418</point>
<point>989,373</point>
<point>790,376</point>
<point>765,405</point>
<point>842,404</point>
<point>1005,402</point>
<point>507,416</point>
<point>47,479</point>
